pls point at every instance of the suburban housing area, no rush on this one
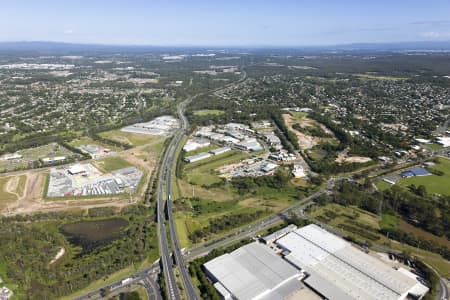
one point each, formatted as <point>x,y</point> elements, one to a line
<point>195,173</point>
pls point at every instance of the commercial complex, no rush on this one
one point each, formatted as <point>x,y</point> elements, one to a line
<point>163,125</point>
<point>337,270</point>
<point>253,272</point>
<point>195,143</point>
<point>309,263</point>
<point>87,180</point>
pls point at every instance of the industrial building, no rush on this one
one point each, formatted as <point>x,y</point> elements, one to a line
<point>12,156</point>
<point>444,141</point>
<point>298,171</point>
<point>51,160</point>
<point>76,169</point>
<point>200,156</point>
<point>163,125</point>
<point>337,270</point>
<point>415,172</point>
<point>253,271</point>
<point>278,234</point>
<point>87,180</point>
<point>269,167</point>
<point>309,263</point>
<point>95,151</point>
<point>195,143</point>
<point>249,145</point>
<point>220,150</point>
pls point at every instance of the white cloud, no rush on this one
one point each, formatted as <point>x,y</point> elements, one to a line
<point>68,31</point>
<point>435,35</point>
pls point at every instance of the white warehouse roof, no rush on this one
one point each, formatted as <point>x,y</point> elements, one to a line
<point>338,268</point>
<point>254,271</point>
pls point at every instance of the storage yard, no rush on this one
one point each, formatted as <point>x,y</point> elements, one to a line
<point>163,125</point>
<point>311,261</point>
<point>250,167</point>
<point>87,180</point>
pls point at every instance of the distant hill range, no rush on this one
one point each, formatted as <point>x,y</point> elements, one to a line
<point>55,47</point>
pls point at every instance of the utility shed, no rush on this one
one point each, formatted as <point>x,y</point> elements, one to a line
<point>254,271</point>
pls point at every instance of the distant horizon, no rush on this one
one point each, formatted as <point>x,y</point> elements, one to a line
<point>232,22</point>
<point>237,46</point>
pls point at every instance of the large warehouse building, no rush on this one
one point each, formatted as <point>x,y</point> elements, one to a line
<point>337,270</point>
<point>253,271</point>
<point>309,263</point>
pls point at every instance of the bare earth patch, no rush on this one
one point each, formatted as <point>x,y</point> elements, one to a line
<point>344,158</point>
<point>58,255</point>
<point>304,141</point>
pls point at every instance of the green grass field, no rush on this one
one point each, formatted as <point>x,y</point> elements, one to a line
<point>156,146</point>
<point>316,153</point>
<point>187,223</point>
<point>298,114</point>
<point>85,140</point>
<point>34,154</point>
<point>134,139</point>
<point>112,163</point>
<point>435,147</point>
<point>200,150</point>
<point>382,185</point>
<point>6,198</point>
<point>203,172</point>
<point>217,201</point>
<point>389,221</point>
<point>208,112</point>
<point>21,185</point>
<point>433,183</point>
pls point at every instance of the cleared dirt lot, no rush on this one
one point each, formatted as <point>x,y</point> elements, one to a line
<point>344,158</point>
<point>23,192</point>
<point>304,141</point>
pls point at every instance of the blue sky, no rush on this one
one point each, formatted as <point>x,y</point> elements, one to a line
<point>224,23</point>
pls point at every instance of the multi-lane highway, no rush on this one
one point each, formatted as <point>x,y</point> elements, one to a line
<point>172,160</point>
<point>166,259</point>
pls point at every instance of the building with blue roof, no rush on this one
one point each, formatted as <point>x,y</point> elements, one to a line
<point>415,172</point>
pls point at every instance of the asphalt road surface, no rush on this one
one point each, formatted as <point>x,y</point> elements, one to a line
<point>166,259</point>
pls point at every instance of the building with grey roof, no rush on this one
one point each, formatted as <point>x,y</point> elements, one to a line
<point>220,150</point>
<point>338,270</point>
<point>253,271</point>
<point>200,156</point>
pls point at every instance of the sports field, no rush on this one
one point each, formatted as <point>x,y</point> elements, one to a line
<point>433,183</point>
